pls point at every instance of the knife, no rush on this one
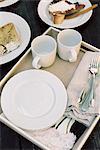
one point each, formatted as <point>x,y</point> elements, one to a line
<point>81,12</point>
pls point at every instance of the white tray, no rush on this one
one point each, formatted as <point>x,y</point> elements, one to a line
<point>65,68</point>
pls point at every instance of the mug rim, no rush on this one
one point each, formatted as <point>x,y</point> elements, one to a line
<point>59,34</point>
<point>50,37</point>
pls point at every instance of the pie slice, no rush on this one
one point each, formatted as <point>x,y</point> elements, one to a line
<point>9,38</point>
<point>59,9</point>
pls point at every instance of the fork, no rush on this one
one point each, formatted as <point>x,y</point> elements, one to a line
<point>87,97</point>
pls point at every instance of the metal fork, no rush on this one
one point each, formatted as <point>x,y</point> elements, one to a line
<point>94,67</point>
<point>93,70</point>
<point>88,97</point>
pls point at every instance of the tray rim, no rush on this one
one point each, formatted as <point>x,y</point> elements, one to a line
<point>21,131</point>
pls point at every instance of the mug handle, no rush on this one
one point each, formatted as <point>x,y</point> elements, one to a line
<point>72,55</point>
<point>35,62</point>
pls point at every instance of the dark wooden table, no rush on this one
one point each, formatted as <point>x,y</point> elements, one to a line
<point>10,140</point>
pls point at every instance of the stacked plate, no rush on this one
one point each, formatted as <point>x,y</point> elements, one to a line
<point>34,99</point>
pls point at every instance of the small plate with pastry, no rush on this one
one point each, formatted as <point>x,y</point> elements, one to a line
<point>13,39</point>
<point>5,3</point>
<point>56,13</point>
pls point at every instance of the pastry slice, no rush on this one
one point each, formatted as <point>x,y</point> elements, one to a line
<point>9,38</point>
<point>59,9</point>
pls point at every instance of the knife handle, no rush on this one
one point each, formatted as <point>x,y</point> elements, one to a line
<point>82,12</point>
<point>89,96</point>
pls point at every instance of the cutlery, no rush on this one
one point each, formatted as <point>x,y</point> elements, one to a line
<point>87,96</point>
<point>94,70</point>
<point>64,124</point>
<point>82,12</point>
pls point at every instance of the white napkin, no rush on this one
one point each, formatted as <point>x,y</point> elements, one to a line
<point>75,88</point>
<point>55,140</point>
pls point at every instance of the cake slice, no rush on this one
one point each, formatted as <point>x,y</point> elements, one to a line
<point>9,38</point>
<point>59,9</point>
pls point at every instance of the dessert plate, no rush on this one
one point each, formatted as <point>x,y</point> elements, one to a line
<point>6,3</point>
<point>19,22</point>
<point>67,23</point>
<point>34,99</point>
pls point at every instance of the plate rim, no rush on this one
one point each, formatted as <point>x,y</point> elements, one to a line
<point>6,4</point>
<point>6,60</point>
<point>60,26</point>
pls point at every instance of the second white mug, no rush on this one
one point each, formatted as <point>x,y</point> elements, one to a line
<point>69,42</point>
<point>44,51</point>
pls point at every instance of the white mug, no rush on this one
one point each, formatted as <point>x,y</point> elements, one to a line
<point>69,42</point>
<point>44,51</point>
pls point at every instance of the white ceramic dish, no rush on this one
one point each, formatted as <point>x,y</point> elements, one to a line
<point>71,23</point>
<point>6,3</point>
<point>23,30</point>
<point>34,99</point>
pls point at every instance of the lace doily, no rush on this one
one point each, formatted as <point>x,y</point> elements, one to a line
<point>54,140</point>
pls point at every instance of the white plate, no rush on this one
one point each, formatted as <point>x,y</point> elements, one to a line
<point>34,99</point>
<point>6,3</point>
<point>67,23</point>
<point>23,29</point>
